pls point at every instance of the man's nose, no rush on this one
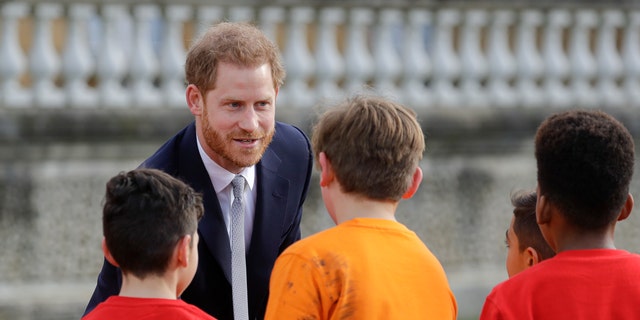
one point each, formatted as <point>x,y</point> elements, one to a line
<point>249,121</point>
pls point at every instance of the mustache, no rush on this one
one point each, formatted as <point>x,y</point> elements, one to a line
<point>244,135</point>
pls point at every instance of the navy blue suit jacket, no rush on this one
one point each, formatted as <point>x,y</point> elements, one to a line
<point>282,175</point>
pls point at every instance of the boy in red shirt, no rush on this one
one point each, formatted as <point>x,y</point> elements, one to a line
<point>149,224</point>
<point>585,163</point>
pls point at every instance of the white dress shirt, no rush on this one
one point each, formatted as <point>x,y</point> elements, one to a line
<point>221,180</point>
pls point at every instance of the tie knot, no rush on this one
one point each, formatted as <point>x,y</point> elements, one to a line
<point>238,186</point>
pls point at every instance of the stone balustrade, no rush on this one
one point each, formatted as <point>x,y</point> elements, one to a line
<point>426,54</point>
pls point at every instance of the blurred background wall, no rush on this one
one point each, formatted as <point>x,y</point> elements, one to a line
<point>92,88</point>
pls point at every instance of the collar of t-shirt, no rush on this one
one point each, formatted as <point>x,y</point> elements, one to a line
<point>221,181</point>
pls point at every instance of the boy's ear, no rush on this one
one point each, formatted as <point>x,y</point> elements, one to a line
<point>195,100</point>
<point>531,256</point>
<point>326,170</point>
<point>182,251</point>
<point>415,183</point>
<point>626,209</point>
<point>543,212</point>
<point>107,253</point>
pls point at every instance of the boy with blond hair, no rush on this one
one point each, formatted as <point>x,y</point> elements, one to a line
<point>369,266</point>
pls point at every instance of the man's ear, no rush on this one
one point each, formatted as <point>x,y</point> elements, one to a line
<point>326,170</point>
<point>195,99</point>
<point>531,256</point>
<point>182,251</point>
<point>415,183</point>
<point>107,253</point>
<point>626,209</point>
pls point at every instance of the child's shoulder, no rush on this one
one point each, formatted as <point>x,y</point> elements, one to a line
<point>196,313</point>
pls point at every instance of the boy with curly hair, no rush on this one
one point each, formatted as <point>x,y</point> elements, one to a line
<point>585,163</point>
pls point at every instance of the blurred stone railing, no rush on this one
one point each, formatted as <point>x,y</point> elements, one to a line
<point>92,54</point>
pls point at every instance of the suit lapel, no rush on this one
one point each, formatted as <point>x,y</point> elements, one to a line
<point>211,227</point>
<point>271,206</point>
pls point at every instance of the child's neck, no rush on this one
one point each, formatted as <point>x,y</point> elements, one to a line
<point>150,287</point>
<point>350,207</point>
<point>577,240</point>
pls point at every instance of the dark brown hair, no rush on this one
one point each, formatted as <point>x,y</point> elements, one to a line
<point>525,226</point>
<point>585,164</point>
<point>146,212</point>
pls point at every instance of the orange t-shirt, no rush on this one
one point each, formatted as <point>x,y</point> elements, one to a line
<point>360,269</point>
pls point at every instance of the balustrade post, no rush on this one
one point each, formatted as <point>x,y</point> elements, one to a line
<point>330,66</point>
<point>555,60</point>
<point>77,62</point>
<point>12,58</point>
<point>528,59</point>
<point>44,62</point>
<point>112,63</point>
<point>386,59</point>
<point>206,16</point>
<point>416,61</point>
<point>173,55</point>
<point>359,63</point>
<point>583,64</point>
<point>631,59</point>
<point>502,67</point>
<point>269,18</point>
<point>472,60</point>
<point>298,59</point>
<point>144,62</point>
<point>446,64</point>
<point>610,69</point>
<point>241,14</point>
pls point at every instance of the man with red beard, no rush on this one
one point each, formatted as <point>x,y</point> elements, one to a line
<point>234,73</point>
